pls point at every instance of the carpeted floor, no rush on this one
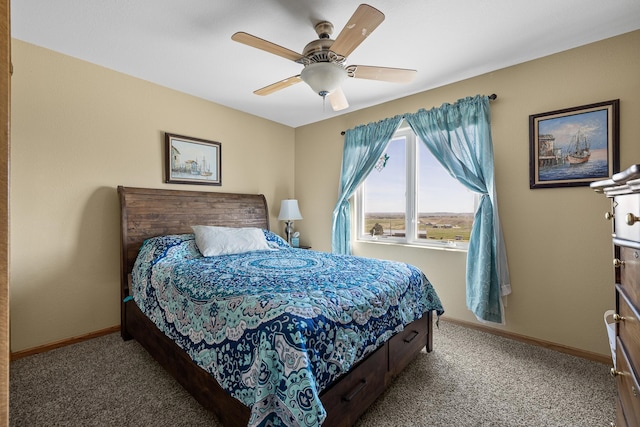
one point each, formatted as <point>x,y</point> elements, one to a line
<point>470,379</point>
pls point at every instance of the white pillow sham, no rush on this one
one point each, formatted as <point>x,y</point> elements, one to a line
<point>213,241</point>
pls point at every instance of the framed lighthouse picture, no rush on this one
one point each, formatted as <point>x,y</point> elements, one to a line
<point>575,146</point>
<point>192,160</point>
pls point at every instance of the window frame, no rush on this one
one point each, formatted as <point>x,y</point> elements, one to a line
<point>411,200</point>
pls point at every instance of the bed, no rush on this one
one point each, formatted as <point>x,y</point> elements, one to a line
<point>302,357</point>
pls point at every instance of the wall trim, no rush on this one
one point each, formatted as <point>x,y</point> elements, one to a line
<point>596,357</point>
<point>63,343</point>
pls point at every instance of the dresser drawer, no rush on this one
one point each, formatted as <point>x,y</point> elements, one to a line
<point>625,205</point>
<point>628,388</point>
<point>628,273</point>
<point>629,332</point>
<point>620,420</point>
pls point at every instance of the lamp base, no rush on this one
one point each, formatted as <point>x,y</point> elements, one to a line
<point>288,229</point>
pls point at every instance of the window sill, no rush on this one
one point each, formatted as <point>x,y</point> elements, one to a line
<point>437,247</point>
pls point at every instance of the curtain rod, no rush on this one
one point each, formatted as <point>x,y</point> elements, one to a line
<point>491,97</point>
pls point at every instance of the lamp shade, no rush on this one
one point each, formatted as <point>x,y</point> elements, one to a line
<point>289,210</point>
<point>323,77</point>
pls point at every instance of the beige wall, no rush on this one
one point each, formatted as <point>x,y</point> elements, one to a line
<point>78,131</point>
<point>557,240</point>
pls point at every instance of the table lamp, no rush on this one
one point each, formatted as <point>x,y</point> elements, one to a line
<point>289,212</point>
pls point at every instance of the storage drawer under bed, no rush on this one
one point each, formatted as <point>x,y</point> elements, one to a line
<point>405,344</point>
<point>354,395</point>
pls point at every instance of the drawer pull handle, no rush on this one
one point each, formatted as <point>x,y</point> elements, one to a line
<point>414,334</point>
<point>631,219</point>
<point>618,263</point>
<point>618,318</point>
<point>357,389</point>
<point>608,216</point>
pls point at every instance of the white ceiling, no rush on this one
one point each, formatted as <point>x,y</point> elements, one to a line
<point>186,44</point>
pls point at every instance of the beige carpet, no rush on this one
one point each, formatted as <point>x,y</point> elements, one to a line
<point>470,379</point>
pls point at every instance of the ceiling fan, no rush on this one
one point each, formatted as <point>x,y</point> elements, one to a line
<point>324,59</point>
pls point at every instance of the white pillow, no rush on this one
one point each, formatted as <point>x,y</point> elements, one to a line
<point>212,241</point>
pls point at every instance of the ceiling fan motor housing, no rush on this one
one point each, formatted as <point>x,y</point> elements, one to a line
<point>320,51</point>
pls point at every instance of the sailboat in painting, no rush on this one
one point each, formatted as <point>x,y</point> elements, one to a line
<point>579,150</point>
<point>206,168</point>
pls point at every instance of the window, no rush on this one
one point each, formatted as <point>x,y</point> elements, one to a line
<point>410,198</point>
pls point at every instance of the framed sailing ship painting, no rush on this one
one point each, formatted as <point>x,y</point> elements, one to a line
<point>575,146</point>
<point>192,160</point>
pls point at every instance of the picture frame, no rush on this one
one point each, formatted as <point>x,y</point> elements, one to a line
<point>191,160</point>
<point>574,146</point>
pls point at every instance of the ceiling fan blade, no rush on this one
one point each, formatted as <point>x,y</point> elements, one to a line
<point>394,75</point>
<point>267,90</point>
<point>362,23</point>
<point>338,100</point>
<point>257,42</point>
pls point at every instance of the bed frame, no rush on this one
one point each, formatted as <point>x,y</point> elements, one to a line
<point>147,213</point>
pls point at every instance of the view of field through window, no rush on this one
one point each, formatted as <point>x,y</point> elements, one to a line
<point>436,225</point>
<point>445,207</point>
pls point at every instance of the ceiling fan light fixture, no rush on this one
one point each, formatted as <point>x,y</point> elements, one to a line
<point>323,77</point>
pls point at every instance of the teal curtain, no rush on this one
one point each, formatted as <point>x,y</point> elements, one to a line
<point>363,146</point>
<point>459,136</point>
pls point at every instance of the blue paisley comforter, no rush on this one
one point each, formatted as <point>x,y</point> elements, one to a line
<point>276,327</point>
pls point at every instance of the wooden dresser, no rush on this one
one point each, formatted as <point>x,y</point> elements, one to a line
<point>624,191</point>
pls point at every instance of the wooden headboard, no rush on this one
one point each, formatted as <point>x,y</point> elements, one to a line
<point>147,212</point>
